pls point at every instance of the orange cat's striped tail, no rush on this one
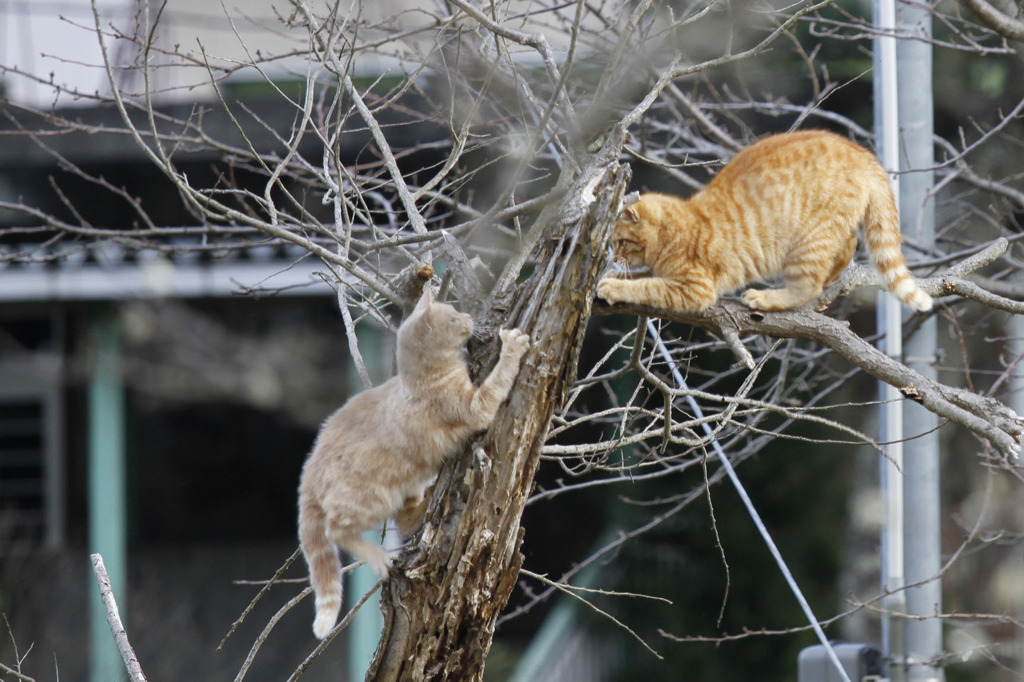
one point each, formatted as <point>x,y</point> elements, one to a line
<point>882,234</point>
<point>324,566</point>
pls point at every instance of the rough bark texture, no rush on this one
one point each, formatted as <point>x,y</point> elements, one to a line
<point>446,592</point>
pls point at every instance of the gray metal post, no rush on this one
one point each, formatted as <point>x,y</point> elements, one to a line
<point>106,504</point>
<point>889,320</point>
<point>922,514</point>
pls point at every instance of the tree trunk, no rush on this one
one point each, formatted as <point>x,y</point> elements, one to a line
<point>442,601</point>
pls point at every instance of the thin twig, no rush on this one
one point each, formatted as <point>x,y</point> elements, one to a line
<point>572,592</point>
<point>11,671</point>
<point>252,604</point>
<point>266,631</point>
<point>333,633</point>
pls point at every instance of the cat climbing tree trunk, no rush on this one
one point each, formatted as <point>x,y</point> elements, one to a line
<point>442,602</point>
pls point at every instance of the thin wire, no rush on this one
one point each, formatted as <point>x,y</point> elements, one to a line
<point>731,472</point>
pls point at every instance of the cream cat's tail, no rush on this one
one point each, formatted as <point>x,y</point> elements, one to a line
<point>882,234</point>
<point>324,566</point>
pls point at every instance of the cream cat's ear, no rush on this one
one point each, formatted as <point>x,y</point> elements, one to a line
<point>426,300</point>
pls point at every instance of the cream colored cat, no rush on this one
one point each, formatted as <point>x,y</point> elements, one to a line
<point>374,457</point>
<point>790,203</point>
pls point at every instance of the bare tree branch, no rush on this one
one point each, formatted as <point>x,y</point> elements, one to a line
<point>131,662</point>
<point>1006,26</point>
<point>988,418</point>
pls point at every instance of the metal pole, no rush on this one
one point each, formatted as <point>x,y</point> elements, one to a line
<point>107,506</point>
<point>890,325</point>
<point>922,519</point>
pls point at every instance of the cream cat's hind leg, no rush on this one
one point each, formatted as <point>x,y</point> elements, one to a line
<point>346,521</point>
<point>344,530</point>
<point>372,555</point>
<point>410,514</point>
<point>328,606</point>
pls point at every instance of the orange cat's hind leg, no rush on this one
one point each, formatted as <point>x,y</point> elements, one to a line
<point>804,277</point>
<point>842,258</point>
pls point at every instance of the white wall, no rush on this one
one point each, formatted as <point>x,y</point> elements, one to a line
<point>49,50</point>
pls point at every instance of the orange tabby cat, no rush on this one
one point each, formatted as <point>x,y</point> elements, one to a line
<point>790,203</point>
<point>376,455</point>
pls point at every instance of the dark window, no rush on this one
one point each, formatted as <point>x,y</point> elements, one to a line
<point>22,474</point>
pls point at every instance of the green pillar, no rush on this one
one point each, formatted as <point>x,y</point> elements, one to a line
<point>364,631</point>
<point>106,500</point>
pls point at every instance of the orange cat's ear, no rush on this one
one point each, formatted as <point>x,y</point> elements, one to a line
<point>631,215</point>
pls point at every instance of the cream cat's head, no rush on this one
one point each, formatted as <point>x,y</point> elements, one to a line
<point>634,237</point>
<point>433,326</point>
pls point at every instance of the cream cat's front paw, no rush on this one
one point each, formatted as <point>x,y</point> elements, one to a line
<point>514,342</point>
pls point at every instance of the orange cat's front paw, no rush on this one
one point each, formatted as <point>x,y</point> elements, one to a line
<point>610,289</point>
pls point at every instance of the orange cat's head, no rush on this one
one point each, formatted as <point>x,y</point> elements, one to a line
<point>434,325</point>
<point>634,236</point>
